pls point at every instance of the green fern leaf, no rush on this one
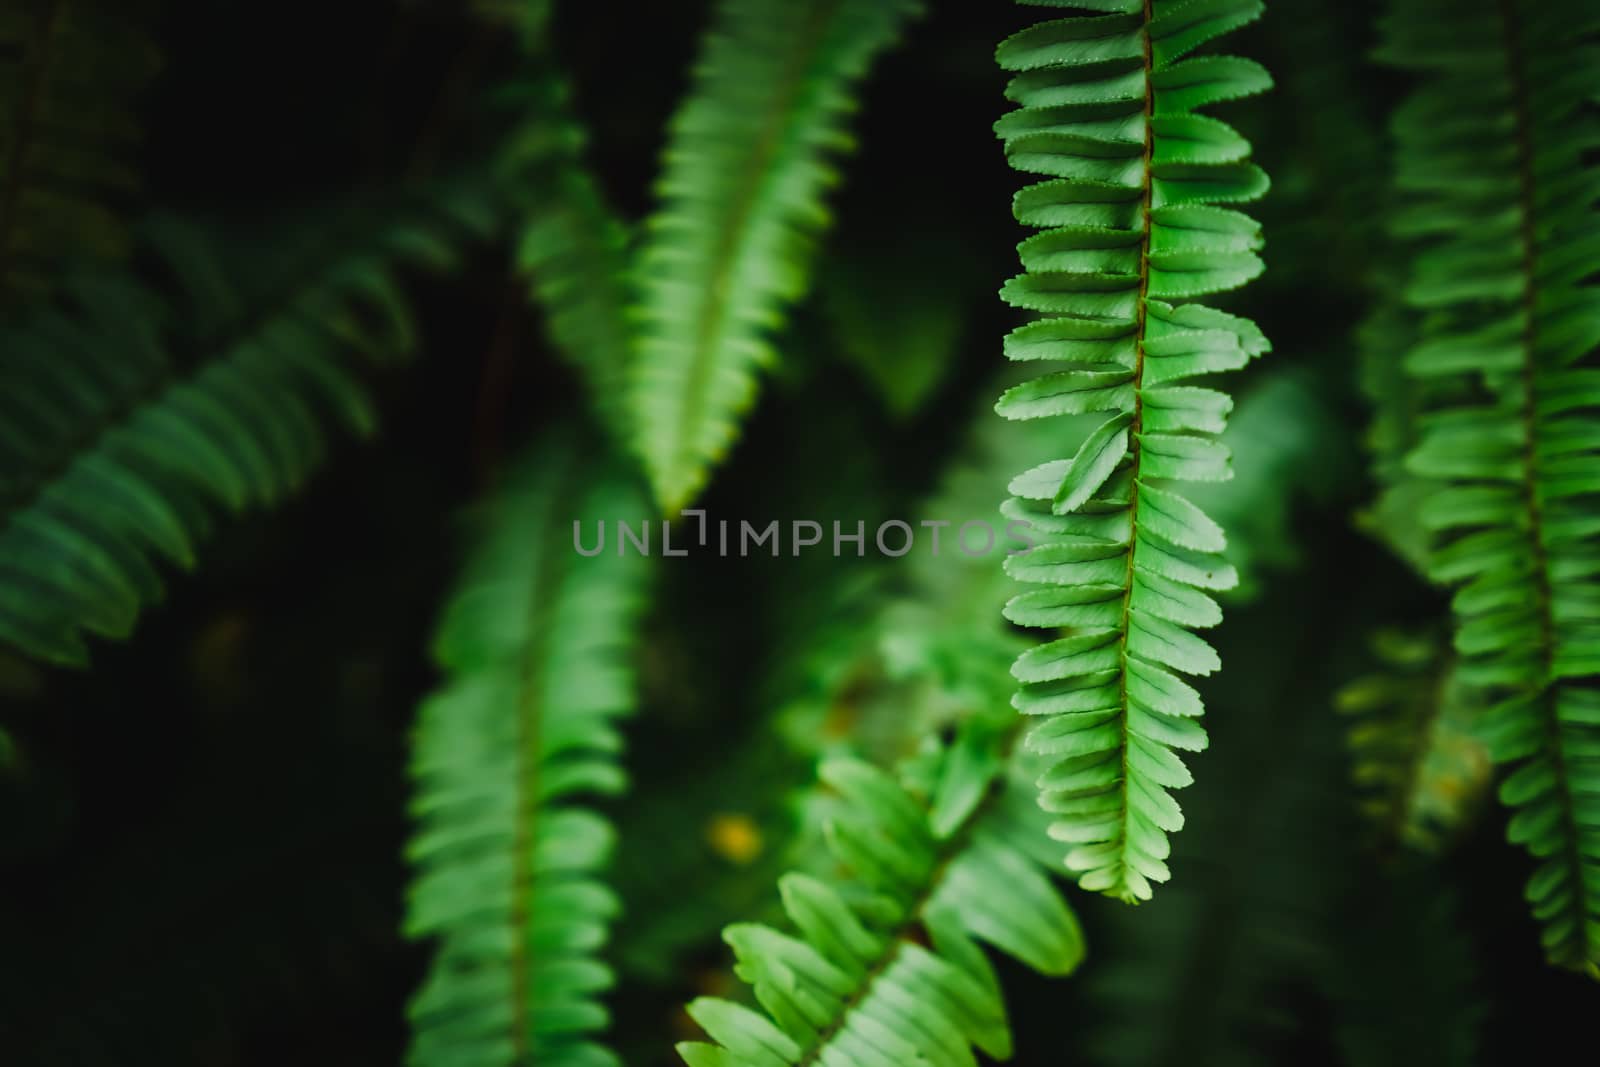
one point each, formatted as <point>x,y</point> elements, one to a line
<point>69,71</point>
<point>741,204</point>
<point>1130,222</point>
<point>1492,166</point>
<point>119,446</point>
<point>885,968</point>
<point>535,644</point>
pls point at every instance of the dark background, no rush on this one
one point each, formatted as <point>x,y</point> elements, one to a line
<point>200,839</point>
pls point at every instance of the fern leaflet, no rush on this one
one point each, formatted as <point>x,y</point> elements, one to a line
<point>1129,221</point>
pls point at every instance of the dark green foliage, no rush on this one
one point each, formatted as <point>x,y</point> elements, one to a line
<point>1407,987</point>
<point>204,840</point>
<point>70,72</point>
<point>1398,401</point>
<point>1288,449</point>
<point>125,433</point>
<point>571,245</point>
<point>507,856</point>
<point>900,330</point>
<point>1238,936</point>
<point>1415,755</point>
<point>1510,323</point>
<point>884,967</point>
<point>1129,222</point>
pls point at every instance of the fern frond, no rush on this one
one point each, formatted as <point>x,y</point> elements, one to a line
<point>1129,222</point>
<point>120,445</point>
<point>69,73</point>
<point>535,643</point>
<point>1492,165</point>
<point>742,200</point>
<point>885,968</point>
<point>1415,758</point>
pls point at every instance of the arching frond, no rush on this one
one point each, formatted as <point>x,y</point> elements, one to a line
<point>1492,167</point>
<point>883,966</point>
<point>742,199</point>
<point>535,643</point>
<point>125,426</point>
<point>1129,222</point>
<point>1415,757</point>
<point>70,71</point>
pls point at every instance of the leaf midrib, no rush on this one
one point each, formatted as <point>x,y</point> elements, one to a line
<point>1140,321</point>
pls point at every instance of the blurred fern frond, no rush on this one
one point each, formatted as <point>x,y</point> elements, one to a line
<point>1415,757</point>
<point>571,245</point>
<point>885,967</point>
<point>1398,402</point>
<point>127,423</point>
<point>536,644</point>
<point>1511,325</point>
<point>1129,220</point>
<point>70,71</point>
<point>742,200</point>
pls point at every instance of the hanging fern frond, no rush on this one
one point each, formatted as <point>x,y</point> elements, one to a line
<point>535,644</point>
<point>1493,171</point>
<point>125,426</point>
<point>70,70</point>
<point>1129,222</point>
<point>1415,758</point>
<point>885,968</point>
<point>572,247</point>
<point>742,200</point>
